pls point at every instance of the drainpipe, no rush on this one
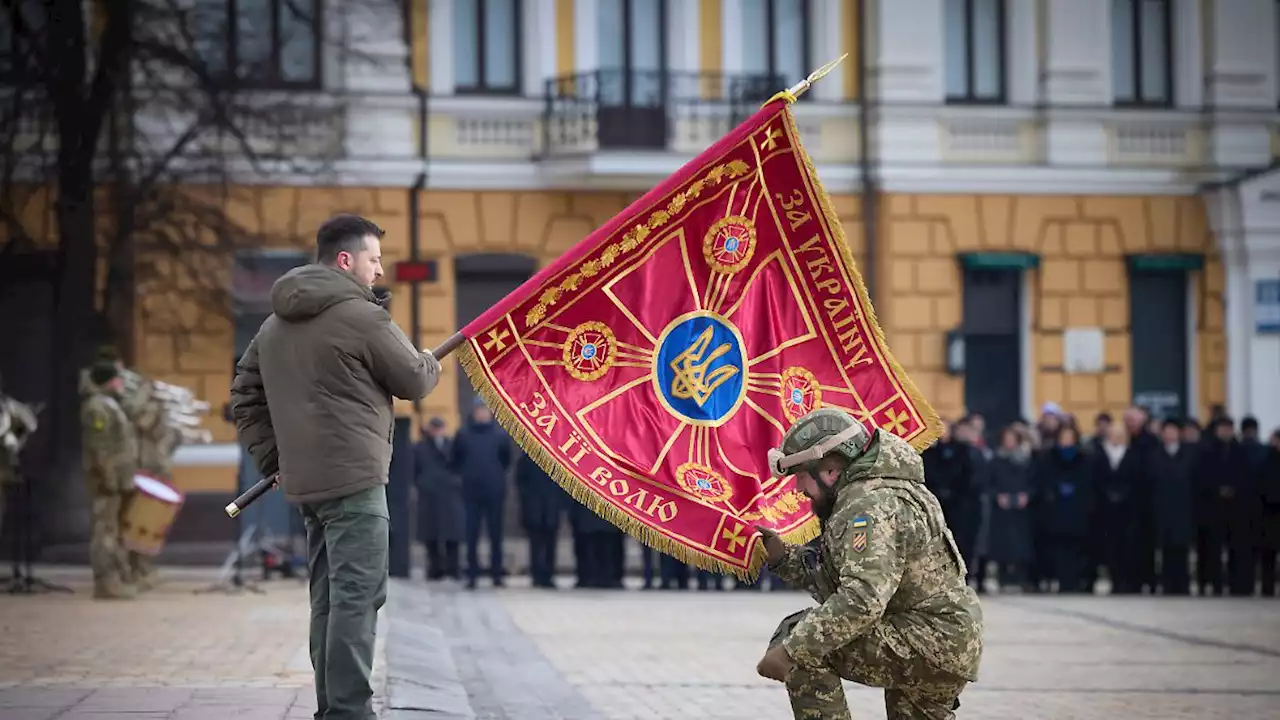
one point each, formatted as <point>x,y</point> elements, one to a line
<point>1042,80</point>
<point>415,191</point>
<point>869,192</point>
<point>415,224</point>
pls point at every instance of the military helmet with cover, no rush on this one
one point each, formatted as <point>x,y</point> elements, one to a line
<point>816,435</point>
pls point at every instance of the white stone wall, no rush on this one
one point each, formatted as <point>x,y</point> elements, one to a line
<point>1058,55</point>
<point>1246,220</point>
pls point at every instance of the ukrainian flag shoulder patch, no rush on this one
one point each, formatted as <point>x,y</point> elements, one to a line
<point>860,521</point>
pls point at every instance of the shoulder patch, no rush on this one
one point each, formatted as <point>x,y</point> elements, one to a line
<point>858,542</point>
<point>860,521</point>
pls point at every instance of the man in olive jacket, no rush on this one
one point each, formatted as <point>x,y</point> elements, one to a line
<point>312,399</point>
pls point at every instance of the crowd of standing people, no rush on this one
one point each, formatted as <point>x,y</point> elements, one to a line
<point>1153,506</point>
<point>463,492</point>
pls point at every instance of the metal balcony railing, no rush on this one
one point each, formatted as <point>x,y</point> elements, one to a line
<point>647,109</point>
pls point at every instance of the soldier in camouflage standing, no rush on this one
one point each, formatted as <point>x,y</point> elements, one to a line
<point>895,611</point>
<point>157,440</point>
<point>110,456</point>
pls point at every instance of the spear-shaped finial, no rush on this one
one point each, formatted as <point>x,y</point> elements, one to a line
<point>792,93</point>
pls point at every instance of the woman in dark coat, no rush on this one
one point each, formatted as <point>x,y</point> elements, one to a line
<point>1064,483</point>
<point>1010,489</point>
<point>440,507</point>
<point>1117,477</point>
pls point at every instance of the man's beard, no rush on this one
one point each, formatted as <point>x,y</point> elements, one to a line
<point>824,504</point>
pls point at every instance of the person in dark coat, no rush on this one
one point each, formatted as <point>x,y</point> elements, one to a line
<point>481,456</point>
<point>1269,515</point>
<point>440,508</point>
<point>542,503</point>
<point>675,574</point>
<point>1144,444</point>
<point>950,474</point>
<point>1010,488</point>
<point>1064,483</point>
<point>1250,511</point>
<point>1117,469</point>
<point>591,547</point>
<point>1173,508</point>
<point>1225,489</point>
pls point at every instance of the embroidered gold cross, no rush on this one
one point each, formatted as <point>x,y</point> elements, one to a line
<point>734,536</point>
<point>497,339</point>
<point>770,139</point>
<point>896,424</point>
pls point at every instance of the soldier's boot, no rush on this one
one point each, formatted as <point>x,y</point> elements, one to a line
<point>146,579</point>
<point>143,572</point>
<point>113,588</point>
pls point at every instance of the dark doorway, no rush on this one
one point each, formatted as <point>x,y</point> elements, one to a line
<point>480,282</point>
<point>633,82</point>
<point>1158,340</point>
<point>993,346</point>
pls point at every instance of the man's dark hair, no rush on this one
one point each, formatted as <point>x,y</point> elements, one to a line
<point>1172,422</point>
<point>343,233</point>
<point>1102,417</point>
<point>1250,423</point>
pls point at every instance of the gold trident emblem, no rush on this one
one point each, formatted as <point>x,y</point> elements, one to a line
<point>691,379</point>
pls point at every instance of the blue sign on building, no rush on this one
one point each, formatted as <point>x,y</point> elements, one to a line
<point>1266,306</point>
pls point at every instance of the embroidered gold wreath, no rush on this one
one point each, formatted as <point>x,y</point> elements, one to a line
<point>632,238</point>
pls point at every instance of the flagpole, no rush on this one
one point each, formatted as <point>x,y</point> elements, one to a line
<point>794,92</point>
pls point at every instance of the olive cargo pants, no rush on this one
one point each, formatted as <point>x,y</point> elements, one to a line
<point>347,542</point>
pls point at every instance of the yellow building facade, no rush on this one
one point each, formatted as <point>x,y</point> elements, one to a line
<point>1071,204</point>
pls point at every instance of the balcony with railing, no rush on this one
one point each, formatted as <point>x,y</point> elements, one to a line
<point>666,117</point>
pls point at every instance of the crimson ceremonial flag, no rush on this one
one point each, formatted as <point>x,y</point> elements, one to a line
<point>651,368</point>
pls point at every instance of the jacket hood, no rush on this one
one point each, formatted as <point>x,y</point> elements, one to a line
<point>305,292</point>
<point>888,457</point>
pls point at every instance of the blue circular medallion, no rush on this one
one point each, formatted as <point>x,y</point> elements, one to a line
<point>797,396</point>
<point>700,368</point>
<point>731,245</point>
<point>588,351</point>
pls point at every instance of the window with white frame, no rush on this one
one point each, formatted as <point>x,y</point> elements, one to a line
<point>486,47</point>
<point>974,39</point>
<point>1141,52</point>
<point>775,36</point>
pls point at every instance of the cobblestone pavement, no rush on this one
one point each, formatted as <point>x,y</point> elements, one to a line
<point>171,653</point>
<point>652,655</point>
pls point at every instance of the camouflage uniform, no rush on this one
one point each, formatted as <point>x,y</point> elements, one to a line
<point>156,440</point>
<point>110,456</point>
<point>895,610</point>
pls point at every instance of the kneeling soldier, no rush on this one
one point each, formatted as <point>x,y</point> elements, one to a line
<point>895,610</point>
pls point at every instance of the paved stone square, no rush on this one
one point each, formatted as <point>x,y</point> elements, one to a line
<point>176,652</point>
<point>526,654</point>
